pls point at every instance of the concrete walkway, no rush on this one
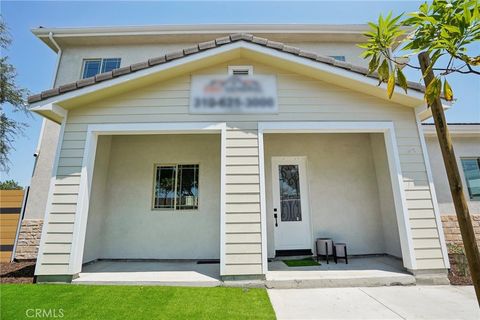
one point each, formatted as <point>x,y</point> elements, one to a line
<point>413,302</point>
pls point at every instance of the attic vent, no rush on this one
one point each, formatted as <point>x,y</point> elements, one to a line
<point>240,70</point>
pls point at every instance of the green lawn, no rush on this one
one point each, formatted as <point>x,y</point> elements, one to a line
<point>301,263</point>
<point>134,302</point>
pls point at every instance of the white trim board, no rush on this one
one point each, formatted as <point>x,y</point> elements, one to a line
<point>93,131</point>
<point>388,130</point>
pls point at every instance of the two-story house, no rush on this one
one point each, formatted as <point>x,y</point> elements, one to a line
<point>231,142</point>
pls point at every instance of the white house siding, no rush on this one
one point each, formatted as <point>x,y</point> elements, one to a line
<point>242,208</point>
<point>300,99</point>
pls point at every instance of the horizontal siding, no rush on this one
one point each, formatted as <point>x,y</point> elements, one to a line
<point>428,254</point>
<point>300,99</point>
<point>59,227</point>
<point>56,258</point>
<point>243,259</point>
<point>242,230</point>
<point>430,263</point>
<point>51,268</point>
<point>243,217</point>
<point>240,248</point>
<point>242,269</point>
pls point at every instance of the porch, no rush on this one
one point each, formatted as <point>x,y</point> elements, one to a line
<point>361,271</point>
<point>346,195</point>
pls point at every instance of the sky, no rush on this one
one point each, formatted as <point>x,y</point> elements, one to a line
<point>35,62</point>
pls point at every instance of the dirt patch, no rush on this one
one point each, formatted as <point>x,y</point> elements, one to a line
<point>459,274</point>
<point>17,272</point>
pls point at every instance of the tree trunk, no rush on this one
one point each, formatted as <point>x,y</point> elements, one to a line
<point>454,180</point>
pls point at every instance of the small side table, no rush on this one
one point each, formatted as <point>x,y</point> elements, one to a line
<point>324,248</point>
<point>340,251</point>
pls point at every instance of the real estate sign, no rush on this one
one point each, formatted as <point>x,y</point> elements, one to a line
<point>213,94</point>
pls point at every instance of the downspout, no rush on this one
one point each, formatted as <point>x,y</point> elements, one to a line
<point>59,55</point>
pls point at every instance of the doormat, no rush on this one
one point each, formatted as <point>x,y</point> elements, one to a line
<point>301,263</point>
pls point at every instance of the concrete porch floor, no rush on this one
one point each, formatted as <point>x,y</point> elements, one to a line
<point>365,271</point>
<point>360,271</point>
<point>163,273</point>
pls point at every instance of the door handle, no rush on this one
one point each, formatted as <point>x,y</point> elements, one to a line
<point>275,216</point>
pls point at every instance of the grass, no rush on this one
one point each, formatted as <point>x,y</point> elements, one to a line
<point>305,262</point>
<point>134,302</point>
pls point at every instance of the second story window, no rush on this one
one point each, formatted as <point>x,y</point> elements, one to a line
<point>339,58</point>
<point>92,67</point>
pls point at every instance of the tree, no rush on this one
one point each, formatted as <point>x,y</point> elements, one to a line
<point>10,185</point>
<point>440,29</point>
<point>11,94</point>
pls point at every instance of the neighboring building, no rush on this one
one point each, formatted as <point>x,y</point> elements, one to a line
<point>209,144</point>
<point>466,143</point>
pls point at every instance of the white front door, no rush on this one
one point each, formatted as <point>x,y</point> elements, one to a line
<point>291,218</point>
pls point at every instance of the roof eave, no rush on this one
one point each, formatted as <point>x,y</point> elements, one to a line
<point>50,111</point>
<point>425,113</point>
<point>347,32</point>
<point>464,130</point>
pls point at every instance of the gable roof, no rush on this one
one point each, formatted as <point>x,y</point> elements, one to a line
<point>200,47</point>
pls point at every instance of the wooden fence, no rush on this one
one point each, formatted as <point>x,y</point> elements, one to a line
<point>10,209</point>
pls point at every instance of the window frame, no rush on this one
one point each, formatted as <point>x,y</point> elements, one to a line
<point>174,164</point>
<point>470,196</point>
<point>84,61</point>
<point>102,67</point>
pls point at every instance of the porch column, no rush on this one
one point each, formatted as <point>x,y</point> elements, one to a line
<point>242,238</point>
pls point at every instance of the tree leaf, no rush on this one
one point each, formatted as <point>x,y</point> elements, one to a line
<point>373,65</point>
<point>475,61</point>
<point>433,91</point>
<point>383,71</point>
<point>447,91</point>
<point>391,85</point>
<point>402,80</point>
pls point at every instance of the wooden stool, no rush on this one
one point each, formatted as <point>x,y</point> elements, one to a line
<point>340,251</point>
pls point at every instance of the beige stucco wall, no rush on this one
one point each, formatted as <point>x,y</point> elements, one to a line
<point>385,195</point>
<point>122,223</point>
<point>99,201</point>
<point>40,183</point>
<point>342,189</point>
<point>464,147</point>
<point>300,98</point>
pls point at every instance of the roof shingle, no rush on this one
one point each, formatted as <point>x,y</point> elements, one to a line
<point>201,47</point>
